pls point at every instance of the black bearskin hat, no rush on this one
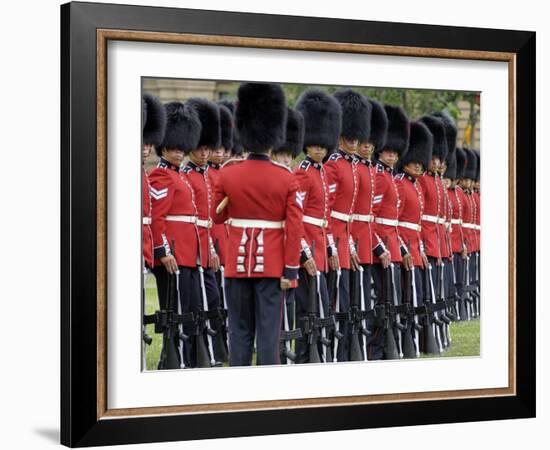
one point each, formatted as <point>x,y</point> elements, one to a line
<point>378,125</point>
<point>437,128</point>
<point>420,146</point>
<point>260,117</point>
<point>450,130</point>
<point>183,128</point>
<point>226,127</point>
<point>322,118</point>
<point>154,120</point>
<point>450,171</point>
<point>237,146</point>
<point>356,115</point>
<point>294,133</point>
<point>460,163</point>
<point>471,164</point>
<point>478,164</point>
<point>209,115</point>
<point>398,131</point>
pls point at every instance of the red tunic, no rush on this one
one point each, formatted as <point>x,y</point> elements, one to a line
<point>200,182</point>
<point>362,227</point>
<point>444,219</point>
<point>341,168</point>
<point>433,207</point>
<point>218,230</point>
<point>386,209</point>
<point>314,190</point>
<point>260,190</point>
<point>477,232</point>
<point>457,200</point>
<point>468,220</point>
<point>172,197</point>
<point>146,234</point>
<point>410,215</point>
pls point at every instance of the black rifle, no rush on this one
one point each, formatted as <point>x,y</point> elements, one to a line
<point>428,312</point>
<point>169,321</point>
<point>390,346</point>
<point>358,316</point>
<point>220,342</point>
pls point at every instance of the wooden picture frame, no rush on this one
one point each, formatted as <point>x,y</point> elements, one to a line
<point>85,30</point>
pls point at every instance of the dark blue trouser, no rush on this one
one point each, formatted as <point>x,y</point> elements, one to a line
<point>255,310</point>
<point>344,291</point>
<point>213,297</point>
<point>290,315</point>
<point>303,308</point>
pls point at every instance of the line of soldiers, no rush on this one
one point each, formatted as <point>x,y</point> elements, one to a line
<point>367,250</point>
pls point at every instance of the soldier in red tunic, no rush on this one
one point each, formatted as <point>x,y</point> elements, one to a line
<point>433,223</point>
<point>344,186</point>
<point>285,154</point>
<point>174,221</point>
<point>457,198</point>
<point>449,275</point>
<point>260,199</point>
<point>154,127</point>
<point>386,210</point>
<point>371,248</point>
<point>477,223</point>
<point>469,223</point>
<point>198,174</point>
<point>412,166</point>
<point>323,121</point>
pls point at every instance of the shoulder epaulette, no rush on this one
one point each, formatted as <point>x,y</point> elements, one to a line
<point>379,168</point>
<point>305,164</point>
<point>232,161</point>
<point>282,166</point>
<point>187,169</point>
<point>334,157</point>
<point>399,176</point>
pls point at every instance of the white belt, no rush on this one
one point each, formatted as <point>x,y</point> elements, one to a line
<point>190,219</point>
<point>410,226</point>
<point>341,216</point>
<point>433,219</point>
<point>389,222</point>
<point>478,227</point>
<point>323,223</point>
<point>456,221</point>
<point>256,223</point>
<point>147,221</point>
<point>441,221</point>
<point>363,217</point>
<point>470,226</point>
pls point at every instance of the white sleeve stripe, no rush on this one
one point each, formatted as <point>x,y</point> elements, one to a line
<point>158,191</point>
<point>159,196</point>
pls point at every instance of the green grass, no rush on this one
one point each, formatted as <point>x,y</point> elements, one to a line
<point>464,335</point>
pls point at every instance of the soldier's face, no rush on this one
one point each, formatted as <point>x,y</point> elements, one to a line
<point>435,163</point>
<point>349,146</point>
<point>389,157</point>
<point>226,155</point>
<point>365,150</point>
<point>414,169</point>
<point>217,156</point>
<point>200,155</point>
<point>173,156</point>
<point>442,167</point>
<point>447,183</point>
<point>147,149</point>
<point>283,158</point>
<point>316,153</point>
<point>465,183</point>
